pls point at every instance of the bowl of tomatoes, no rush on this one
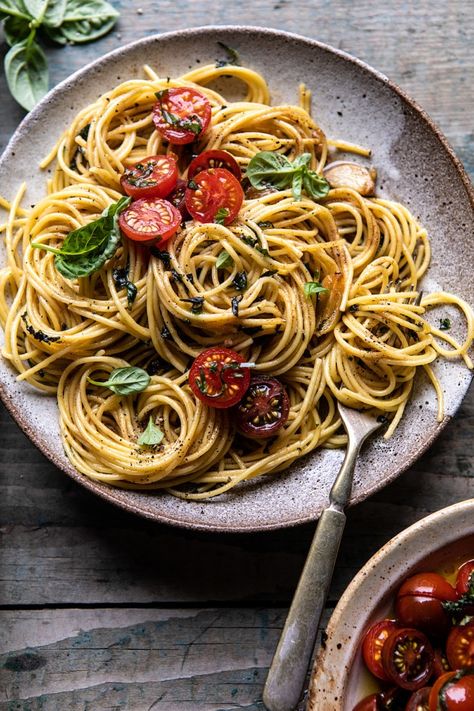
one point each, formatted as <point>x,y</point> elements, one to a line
<point>402,636</point>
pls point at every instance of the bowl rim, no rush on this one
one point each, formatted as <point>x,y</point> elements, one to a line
<point>109,493</point>
<point>425,532</point>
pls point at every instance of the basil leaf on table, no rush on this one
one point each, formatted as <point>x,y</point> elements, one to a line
<point>84,21</point>
<point>125,381</point>
<point>13,8</point>
<point>152,435</point>
<point>16,29</point>
<point>85,250</point>
<point>268,168</point>
<point>27,72</point>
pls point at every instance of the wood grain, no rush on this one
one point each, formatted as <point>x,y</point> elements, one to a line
<point>140,616</point>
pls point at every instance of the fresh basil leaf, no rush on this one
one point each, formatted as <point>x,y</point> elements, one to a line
<point>302,161</point>
<point>221,215</point>
<point>55,11</point>
<point>315,185</point>
<point>83,21</point>
<point>232,56</point>
<point>125,381</point>
<point>14,8</point>
<point>27,73</point>
<point>313,287</point>
<point>297,185</point>
<point>444,324</point>
<point>270,168</point>
<point>16,29</point>
<point>77,10</point>
<point>151,436</point>
<point>224,260</point>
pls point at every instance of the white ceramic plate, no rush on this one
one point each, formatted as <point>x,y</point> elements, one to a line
<point>415,166</point>
<point>434,543</point>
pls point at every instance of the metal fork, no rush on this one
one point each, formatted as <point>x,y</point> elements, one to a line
<point>287,673</point>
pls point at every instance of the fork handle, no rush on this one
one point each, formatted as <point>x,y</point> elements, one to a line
<point>287,673</point>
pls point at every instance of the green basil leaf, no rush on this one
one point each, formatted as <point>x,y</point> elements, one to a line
<point>16,29</point>
<point>302,160</point>
<point>26,70</point>
<point>84,21</point>
<point>270,168</point>
<point>232,56</point>
<point>224,260</point>
<point>36,8</point>
<point>14,8</point>
<point>444,324</point>
<point>152,435</point>
<point>221,215</point>
<point>313,287</point>
<point>89,10</point>
<point>240,281</point>
<point>315,185</point>
<point>297,185</point>
<point>55,11</point>
<point>125,381</point>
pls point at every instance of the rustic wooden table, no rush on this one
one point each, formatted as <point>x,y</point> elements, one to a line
<point>101,610</point>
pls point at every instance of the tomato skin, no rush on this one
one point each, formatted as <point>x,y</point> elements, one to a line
<point>186,106</point>
<point>463,577</point>
<point>440,663</point>
<point>214,159</point>
<point>370,703</point>
<point>460,646</point>
<point>419,700</point>
<point>216,379</point>
<point>155,176</point>
<point>388,700</point>
<point>407,658</point>
<point>265,395</point>
<point>176,198</point>
<point>457,692</point>
<point>372,645</point>
<point>419,603</point>
<point>149,221</point>
<point>215,189</point>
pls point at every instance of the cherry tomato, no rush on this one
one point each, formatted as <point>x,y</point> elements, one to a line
<point>440,663</point>
<point>264,408</point>
<point>181,114</point>
<point>216,378</point>
<point>211,191</point>
<point>370,703</point>
<point>154,176</point>
<point>460,646</point>
<point>176,198</point>
<point>372,646</point>
<point>419,603</point>
<point>419,700</point>
<point>464,577</point>
<point>453,691</point>
<point>214,159</point>
<point>150,220</point>
<point>388,700</point>
<point>407,658</point>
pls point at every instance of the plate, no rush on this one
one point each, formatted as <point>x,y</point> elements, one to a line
<point>433,543</point>
<point>415,165</point>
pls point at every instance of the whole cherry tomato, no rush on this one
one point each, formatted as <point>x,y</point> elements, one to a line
<point>453,691</point>
<point>419,603</point>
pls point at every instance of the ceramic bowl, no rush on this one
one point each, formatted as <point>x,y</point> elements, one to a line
<point>437,542</point>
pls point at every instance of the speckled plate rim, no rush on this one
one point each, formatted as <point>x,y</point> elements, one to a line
<point>111,494</point>
<point>401,555</point>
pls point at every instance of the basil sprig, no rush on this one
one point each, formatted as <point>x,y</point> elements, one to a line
<point>311,288</point>
<point>270,169</point>
<point>85,250</point>
<point>63,21</point>
<point>125,381</point>
<point>152,435</point>
<point>224,260</point>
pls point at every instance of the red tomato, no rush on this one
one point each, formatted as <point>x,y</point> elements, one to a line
<point>212,192</point>
<point>216,378</point>
<point>181,114</point>
<point>388,700</point>
<point>214,159</point>
<point>264,409</point>
<point>407,658</point>
<point>419,700</point>
<point>464,577</point>
<point>460,646</point>
<point>370,703</point>
<point>453,691</point>
<point>149,220</point>
<point>155,176</point>
<point>440,663</point>
<point>419,603</point>
<point>177,198</point>
<point>372,646</point>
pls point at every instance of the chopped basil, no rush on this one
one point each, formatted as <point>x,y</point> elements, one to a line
<point>221,215</point>
<point>163,256</point>
<point>240,281</point>
<point>232,56</point>
<point>314,287</point>
<point>269,168</point>
<point>444,324</point>
<point>269,273</point>
<point>235,301</point>
<point>265,225</point>
<point>197,304</point>
<point>125,381</point>
<point>165,333</point>
<point>224,260</point>
<point>121,281</point>
<point>192,185</point>
<point>38,335</point>
<point>250,330</point>
<point>463,604</point>
<point>151,436</point>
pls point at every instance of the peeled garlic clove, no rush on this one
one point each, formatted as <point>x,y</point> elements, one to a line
<point>344,174</point>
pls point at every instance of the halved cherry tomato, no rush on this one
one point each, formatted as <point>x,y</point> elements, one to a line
<point>264,408</point>
<point>388,700</point>
<point>176,198</point>
<point>149,220</point>
<point>419,700</point>
<point>465,577</point>
<point>460,646</point>
<point>217,379</point>
<point>419,603</point>
<point>181,114</point>
<point>453,691</point>
<point>213,190</point>
<point>440,663</point>
<point>214,159</point>
<point>372,646</point>
<point>407,658</point>
<point>155,176</point>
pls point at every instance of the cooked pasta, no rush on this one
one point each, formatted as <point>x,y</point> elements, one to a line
<point>360,340</point>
